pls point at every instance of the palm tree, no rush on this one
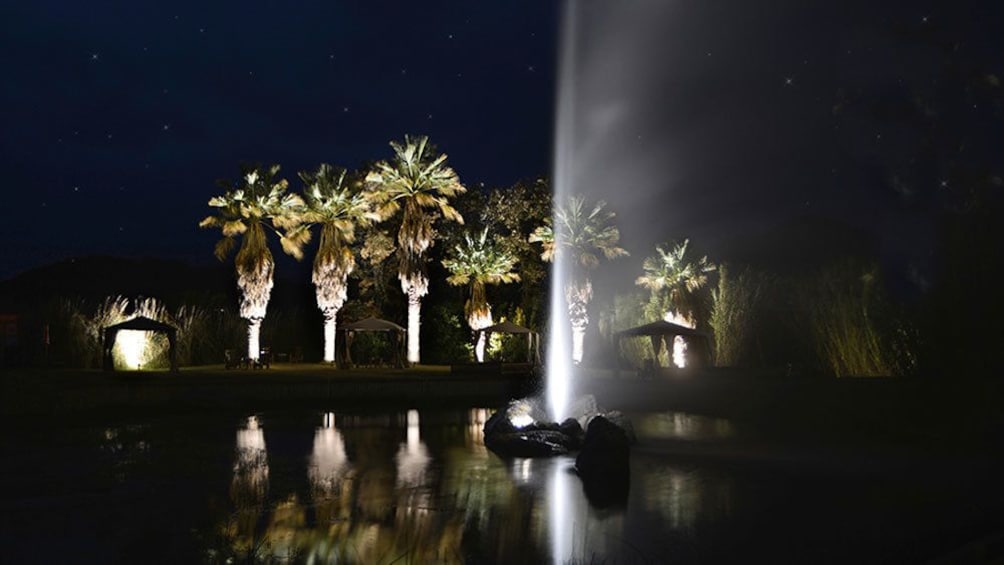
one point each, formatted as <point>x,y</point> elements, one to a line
<point>674,278</point>
<point>579,236</point>
<point>339,208</point>
<point>419,182</point>
<point>257,203</point>
<point>479,262</point>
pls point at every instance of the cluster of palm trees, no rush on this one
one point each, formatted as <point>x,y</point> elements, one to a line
<point>416,181</point>
<point>418,187</point>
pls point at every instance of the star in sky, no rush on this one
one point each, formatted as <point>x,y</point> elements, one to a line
<point>95,56</point>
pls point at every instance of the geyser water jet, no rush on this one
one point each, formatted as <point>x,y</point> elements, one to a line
<point>559,366</point>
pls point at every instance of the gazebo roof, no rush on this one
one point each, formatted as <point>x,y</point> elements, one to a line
<point>507,327</point>
<point>373,325</point>
<point>661,328</point>
<point>142,323</point>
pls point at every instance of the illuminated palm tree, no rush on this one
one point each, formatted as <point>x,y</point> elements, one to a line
<point>257,203</point>
<point>674,278</point>
<point>339,208</point>
<point>479,262</point>
<point>418,182</point>
<point>583,235</point>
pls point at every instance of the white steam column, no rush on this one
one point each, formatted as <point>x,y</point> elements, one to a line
<point>559,365</point>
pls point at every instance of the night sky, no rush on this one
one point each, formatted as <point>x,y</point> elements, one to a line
<point>119,117</point>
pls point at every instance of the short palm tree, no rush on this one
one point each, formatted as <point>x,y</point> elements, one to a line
<point>579,236</point>
<point>339,208</point>
<point>420,184</point>
<point>248,209</point>
<point>674,278</point>
<point>479,262</point>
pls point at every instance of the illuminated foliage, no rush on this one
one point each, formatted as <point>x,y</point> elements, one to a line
<point>257,203</point>
<point>339,207</point>
<point>674,278</point>
<point>418,183</point>
<point>478,262</point>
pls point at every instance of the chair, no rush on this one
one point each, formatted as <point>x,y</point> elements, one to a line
<point>230,360</point>
<point>264,360</point>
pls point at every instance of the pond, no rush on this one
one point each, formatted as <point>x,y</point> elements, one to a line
<point>418,486</point>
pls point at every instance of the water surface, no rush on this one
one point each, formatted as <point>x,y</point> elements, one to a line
<point>420,487</point>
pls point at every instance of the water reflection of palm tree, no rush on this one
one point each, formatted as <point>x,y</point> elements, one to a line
<point>412,456</point>
<point>328,461</point>
<point>249,489</point>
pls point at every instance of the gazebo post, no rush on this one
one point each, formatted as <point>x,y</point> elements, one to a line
<point>107,363</point>
<point>172,349</point>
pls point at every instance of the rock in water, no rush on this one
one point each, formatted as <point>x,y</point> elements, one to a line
<point>604,463</point>
<point>571,428</point>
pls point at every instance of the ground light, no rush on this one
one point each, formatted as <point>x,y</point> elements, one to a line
<point>132,346</point>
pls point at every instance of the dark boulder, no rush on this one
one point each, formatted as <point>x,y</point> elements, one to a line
<point>574,432</point>
<point>604,463</point>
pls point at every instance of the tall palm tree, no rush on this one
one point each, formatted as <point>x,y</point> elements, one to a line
<point>479,262</point>
<point>418,182</point>
<point>674,278</point>
<point>339,208</point>
<point>248,209</point>
<point>579,236</point>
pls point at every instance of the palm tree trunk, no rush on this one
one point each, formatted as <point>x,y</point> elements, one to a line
<point>414,321</point>
<point>254,338</point>
<point>577,297</point>
<point>479,347</point>
<point>477,320</point>
<point>329,336</point>
<point>578,340</point>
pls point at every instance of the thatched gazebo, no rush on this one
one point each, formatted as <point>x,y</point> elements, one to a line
<point>532,338</point>
<point>397,340</point>
<point>142,324</point>
<point>663,333</point>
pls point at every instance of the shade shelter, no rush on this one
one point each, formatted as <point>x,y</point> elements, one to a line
<point>532,338</point>
<point>396,333</point>
<point>142,324</point>
<point>663,333</point>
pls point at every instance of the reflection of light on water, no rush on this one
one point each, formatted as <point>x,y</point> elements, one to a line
<point>680,425</point>
<point>328,462</point>
<point>476,419</point>
<point>562,526</point>
<point>132,346</point>
<point>251,465</point>
<point>412,456</point>
<point>522,469</point>
<point>684,498</point>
